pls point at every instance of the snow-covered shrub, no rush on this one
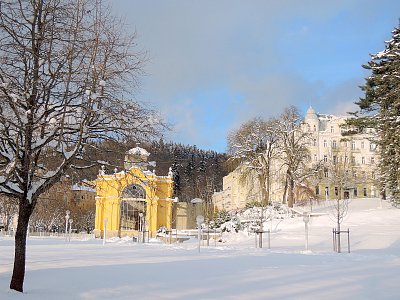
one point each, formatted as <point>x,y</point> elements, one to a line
<point>220,218</point>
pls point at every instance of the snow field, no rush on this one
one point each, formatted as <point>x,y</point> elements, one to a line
<point>234,269</point>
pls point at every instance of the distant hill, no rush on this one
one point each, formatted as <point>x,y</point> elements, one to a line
<point>197,172</point>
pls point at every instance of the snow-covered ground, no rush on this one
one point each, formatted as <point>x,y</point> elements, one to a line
<point>234,269</point>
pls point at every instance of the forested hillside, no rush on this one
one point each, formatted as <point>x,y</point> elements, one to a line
<point>197,173</point>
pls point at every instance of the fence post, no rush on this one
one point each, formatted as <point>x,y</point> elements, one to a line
<point>348,239</point>
<point>334,239</point>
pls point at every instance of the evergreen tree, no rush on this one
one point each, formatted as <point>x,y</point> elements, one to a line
<point>197,173</point>
<point>380,109</point>
<point>176,178</point>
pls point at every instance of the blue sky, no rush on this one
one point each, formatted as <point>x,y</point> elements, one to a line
<point>213,64</point>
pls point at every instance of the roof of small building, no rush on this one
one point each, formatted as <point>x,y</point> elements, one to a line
<point>138,151</point>
<point>77,187</point>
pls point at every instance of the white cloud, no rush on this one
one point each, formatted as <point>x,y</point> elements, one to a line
<point>202,45</point>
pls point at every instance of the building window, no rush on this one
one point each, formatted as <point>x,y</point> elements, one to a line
<point>334,159</point>
<point>372,146</point>
<point>365,192</point>
<point>315,142</point>
<point>355,192</point>
<point>363,160</point>
<point>372,160</point>
<point>334,144</point>
<point>327,191</point>
<point>362,145</point>
<point>325,158</point>
<point>326,173</point>
<point>325,144</point>
<point>353,145</point>
<point>353,160</point>
<point>355,174</point>
<point>317,190</point>
<point>336,191</point>
<point>332,129</point>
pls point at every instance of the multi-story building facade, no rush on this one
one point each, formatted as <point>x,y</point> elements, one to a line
<point>328,146</point>
<point>237,191</point>
<point>83,196</point>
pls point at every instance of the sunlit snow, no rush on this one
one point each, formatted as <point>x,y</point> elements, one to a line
<point>233,269</point>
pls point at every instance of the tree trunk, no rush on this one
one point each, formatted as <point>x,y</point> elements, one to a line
<point>18,276</point>
<point>264,199</point>
<point>268,186</point>
<point>290,192</point>
<point>338,234</point>
<point>284,199</point>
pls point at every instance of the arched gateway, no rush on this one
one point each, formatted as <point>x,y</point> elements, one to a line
<point>133,207</point>
<point>133,199</point>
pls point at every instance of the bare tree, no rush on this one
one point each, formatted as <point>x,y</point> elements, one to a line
<point>339,172</point>
<point>8,209</point>
<point>294,151</point>
<point>253,146</point>
<point>84,217</point>
<point>51,205</point>
<point>64,67</point>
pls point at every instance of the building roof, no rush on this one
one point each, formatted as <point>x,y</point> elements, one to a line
<point>138,151</point>
<point>311,114</point>
<point>77,187</point>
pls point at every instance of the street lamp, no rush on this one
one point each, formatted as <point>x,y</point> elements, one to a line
<point>66,224</point>
<point>70,228</point>
<point>196,200</point>
<point>306,219</point>
<point>141,230</point>
<point>140,221</point>
<point>199,221</point>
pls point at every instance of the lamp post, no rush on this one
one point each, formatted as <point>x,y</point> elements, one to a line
<point>199,221</point>
<point>260,241</point>
<point>140,221</point>
<point>66,224</point>
<point>70,228</point>
<point>197,203</point>
<point>105,220</point>
<point>306,219</point>
<point>141,230</point>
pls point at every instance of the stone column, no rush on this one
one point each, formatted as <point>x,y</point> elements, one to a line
<point>99,216</point>
<point>152,216</point>
<point>168,213</point>
<point>114,217</point>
